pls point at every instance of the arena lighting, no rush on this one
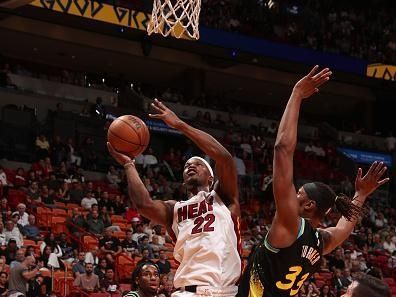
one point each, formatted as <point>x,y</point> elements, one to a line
<point>270,4</point>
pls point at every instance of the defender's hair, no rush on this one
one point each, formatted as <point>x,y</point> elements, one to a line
<point>326,198</point>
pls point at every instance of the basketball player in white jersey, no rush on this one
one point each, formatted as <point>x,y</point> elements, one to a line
<point>205,228</point>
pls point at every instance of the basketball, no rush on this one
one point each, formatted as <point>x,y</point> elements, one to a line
<point>128,135</point>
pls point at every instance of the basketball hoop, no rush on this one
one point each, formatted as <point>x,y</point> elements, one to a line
<point>177,18</point>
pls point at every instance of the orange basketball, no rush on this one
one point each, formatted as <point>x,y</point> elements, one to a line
<point>128,135</point>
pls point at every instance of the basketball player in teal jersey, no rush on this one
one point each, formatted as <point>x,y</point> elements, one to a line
<point>292,249</point>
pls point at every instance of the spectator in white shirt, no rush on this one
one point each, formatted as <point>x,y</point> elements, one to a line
<point>318,150</point>
<point>2,234</point>
<point>380,221</point>
<point>150,159</point>
<point>92,256</point>
<point>88,201</point>
<point>309,149</point>
<point>3,177</point>
<point>12,232</point>
<point>23,215</point>
<point>389,245</point>
<point>245,146</point>
<point>139,160</point>
<point>138,234</point>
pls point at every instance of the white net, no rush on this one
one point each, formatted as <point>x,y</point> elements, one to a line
<point>178,18</point>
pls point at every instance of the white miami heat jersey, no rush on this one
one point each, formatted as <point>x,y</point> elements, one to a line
<point>208,242</point>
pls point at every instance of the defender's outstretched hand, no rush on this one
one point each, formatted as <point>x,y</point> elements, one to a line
<point>165,114</point>
<point>119,157</point>
<point>310,83</point>
<point>372,180</point>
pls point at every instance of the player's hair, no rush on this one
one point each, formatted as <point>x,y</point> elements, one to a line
<point>369,286</point>
<point>137,271</point>
<point>326,198</point>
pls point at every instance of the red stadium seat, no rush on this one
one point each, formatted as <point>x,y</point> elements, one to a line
<point>59,212</point>
<point>124,267</point>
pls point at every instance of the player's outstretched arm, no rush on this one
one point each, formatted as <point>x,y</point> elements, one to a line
<point>286,221</point>
<point>227,185</point>
<point>160,212</point>
<point>364,186</point>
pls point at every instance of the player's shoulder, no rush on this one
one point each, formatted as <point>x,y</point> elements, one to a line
<point>170,202</point>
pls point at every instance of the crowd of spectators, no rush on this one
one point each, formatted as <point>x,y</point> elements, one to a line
<point>350,28</point>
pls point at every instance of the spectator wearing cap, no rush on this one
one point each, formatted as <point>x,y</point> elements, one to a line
<point>88,201</point>
<point>361,262</point>
<point>23,215</point>
<point>134,219</point>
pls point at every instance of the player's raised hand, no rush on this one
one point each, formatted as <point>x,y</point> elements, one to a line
<point>165,114</point>
<point>119,157</point>
<point>310,83</point>
<point>365,185</point>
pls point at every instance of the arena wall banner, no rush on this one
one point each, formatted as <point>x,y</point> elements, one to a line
<point>94,10</point>
<point>98,11</point>
<point>382,71</point>
<point>364,157</point>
